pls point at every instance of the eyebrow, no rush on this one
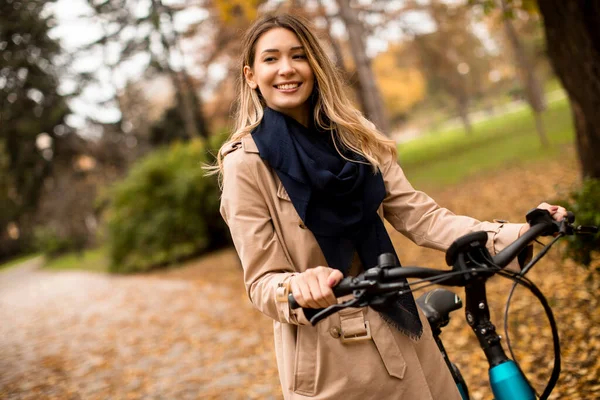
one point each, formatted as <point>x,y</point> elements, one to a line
<point>277,50</point>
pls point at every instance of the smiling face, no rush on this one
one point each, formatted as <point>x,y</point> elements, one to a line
<point>282,73</point>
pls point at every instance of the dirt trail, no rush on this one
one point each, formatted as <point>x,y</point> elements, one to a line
<point>83,335</point>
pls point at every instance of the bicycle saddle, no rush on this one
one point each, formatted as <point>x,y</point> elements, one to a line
<point>437,306</point>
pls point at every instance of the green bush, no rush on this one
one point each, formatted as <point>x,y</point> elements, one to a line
<point>165,210</point>
<point>48,241</point>
<point>585,203</point>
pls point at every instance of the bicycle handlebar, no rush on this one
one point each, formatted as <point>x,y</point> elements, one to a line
<point>384,278</point>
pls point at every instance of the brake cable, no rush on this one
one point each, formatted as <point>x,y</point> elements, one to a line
<point>519,278</point>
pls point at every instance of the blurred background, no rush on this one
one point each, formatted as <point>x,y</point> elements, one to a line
<point>117,276</point>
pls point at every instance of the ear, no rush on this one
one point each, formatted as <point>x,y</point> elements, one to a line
<point>249,75</point>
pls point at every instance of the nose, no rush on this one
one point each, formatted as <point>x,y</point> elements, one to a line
<point>286,68</point>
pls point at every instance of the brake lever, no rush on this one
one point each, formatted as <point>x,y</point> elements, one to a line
<point>586,230</point>
<point>565,228</point>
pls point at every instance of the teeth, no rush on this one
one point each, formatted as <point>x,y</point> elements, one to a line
<point>287,86</point>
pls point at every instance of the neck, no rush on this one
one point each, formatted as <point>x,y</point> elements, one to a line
<point>302,116</point>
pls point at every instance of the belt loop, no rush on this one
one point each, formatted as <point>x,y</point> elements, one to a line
<point>354,327</point>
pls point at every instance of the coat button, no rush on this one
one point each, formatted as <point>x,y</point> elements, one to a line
<point>335,332</point>
<point>301,225</point>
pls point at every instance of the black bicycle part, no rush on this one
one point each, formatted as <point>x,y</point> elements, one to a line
<point>437,306</point>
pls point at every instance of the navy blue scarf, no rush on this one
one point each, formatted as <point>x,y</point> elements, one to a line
<point>336,199</point>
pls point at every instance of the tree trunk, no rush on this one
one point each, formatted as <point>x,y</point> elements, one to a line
<point>539,126</point>
<point>335,46</point>
<point>533,88</point>
<point>186,105</point>
<point>573,41</point>
<point>184,91</point>
<point>463,112</point>
<point>195,102</point>
<point>370,93</point>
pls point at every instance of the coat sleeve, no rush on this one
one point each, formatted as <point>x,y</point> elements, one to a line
<point>422,220</point>
<point>266,268</point>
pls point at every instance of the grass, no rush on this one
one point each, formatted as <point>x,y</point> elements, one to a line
<point>448,157</point>
<point>18,260</point>
<point>94,260</point>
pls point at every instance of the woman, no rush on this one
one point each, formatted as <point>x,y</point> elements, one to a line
<point>307,181</point>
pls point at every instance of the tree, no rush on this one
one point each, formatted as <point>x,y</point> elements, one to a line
<point>157,38</point>
<point>402,86</point>
<point>371,96</point>
<point>32,116</point>
<point>533,88</point>
<point>453,58</point>
<point>573,43</point>
<point>573,46</point>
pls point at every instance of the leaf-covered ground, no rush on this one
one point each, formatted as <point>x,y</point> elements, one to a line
<point>191,332</point>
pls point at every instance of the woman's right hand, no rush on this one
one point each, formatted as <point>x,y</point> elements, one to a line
<point>312,288</point>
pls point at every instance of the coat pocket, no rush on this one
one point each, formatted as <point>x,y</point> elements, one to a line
<point>305,363</point>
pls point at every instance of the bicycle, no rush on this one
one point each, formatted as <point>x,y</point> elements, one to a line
<point>471,265</point>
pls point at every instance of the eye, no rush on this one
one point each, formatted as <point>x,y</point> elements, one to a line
<point>299,57</point>
<point>269,59</point>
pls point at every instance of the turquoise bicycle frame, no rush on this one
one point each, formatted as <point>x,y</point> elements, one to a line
<point>508,383</point>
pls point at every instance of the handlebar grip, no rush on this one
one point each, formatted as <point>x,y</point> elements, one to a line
<point>292,301</point>
<point>343,288</point>
<point>570,217</point>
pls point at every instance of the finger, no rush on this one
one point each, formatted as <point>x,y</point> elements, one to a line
<point>304,297</point>
<point>326,291</point>
<point>316,289</point>
<point>295,289</point>
<point>544,206</point>
<point>548,207</point>
<point>311,292</point>
<point>560,214</point>
<point>334,277</point>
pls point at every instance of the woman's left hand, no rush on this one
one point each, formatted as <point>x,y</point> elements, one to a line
<point>557,212</point>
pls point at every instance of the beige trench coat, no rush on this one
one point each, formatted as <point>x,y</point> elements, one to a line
<point>323,362</point>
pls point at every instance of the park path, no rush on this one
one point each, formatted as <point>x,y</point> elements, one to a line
<point>81,335</point>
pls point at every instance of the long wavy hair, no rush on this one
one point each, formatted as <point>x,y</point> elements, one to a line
<point>333,111</point>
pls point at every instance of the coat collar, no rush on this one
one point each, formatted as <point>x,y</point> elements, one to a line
<point>249,145</point>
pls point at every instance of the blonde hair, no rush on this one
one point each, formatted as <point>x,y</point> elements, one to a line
<point>333,111</point>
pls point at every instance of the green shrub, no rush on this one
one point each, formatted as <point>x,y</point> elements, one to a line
<point>165,210</point>
<point>52,244</point>
<point>585,203</point>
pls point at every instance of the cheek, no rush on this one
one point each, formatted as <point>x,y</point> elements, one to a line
<point>311,78</point>
<point>311,84</point>
<point>265,82</point>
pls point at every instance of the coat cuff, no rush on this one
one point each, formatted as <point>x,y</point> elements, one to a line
<point>286,314</point>
<point>504,235</point>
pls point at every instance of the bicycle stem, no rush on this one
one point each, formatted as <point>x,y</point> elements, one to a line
<point>478,318</point>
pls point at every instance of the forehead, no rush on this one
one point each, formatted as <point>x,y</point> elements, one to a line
<point>277,39</point>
